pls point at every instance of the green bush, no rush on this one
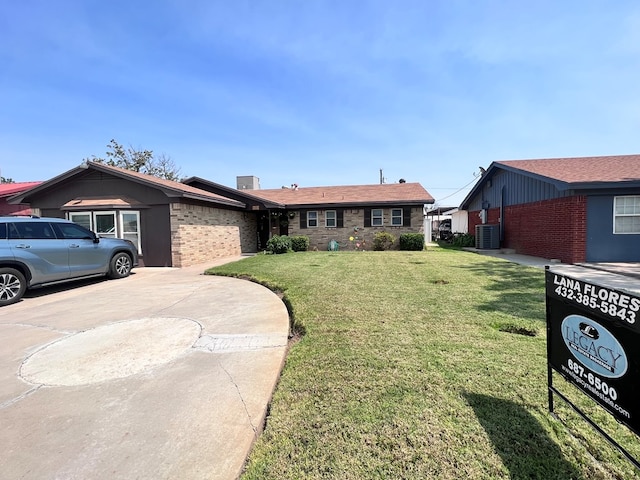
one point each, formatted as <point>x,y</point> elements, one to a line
<point>300,243</point>
<point>464,240</point>
<point>412,241</point>
<point>279,244</point>
<point>383,241</point>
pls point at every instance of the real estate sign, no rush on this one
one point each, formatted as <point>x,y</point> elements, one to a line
<point>593,336</point>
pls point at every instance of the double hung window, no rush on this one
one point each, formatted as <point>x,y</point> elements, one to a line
<point>376,217</point>
<point>330,218</point>
<point>626,214</point>
<point>396,217</point>
<point>312,219</point>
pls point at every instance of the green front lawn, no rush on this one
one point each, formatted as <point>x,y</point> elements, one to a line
<point>420,365</point>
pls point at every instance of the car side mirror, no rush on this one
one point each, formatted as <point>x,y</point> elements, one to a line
<point>96,238</point>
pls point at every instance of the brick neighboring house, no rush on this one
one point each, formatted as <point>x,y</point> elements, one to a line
<point>172,224</point>
<point>334,213</point>
<point>8,190</point>
<point>584,209</point>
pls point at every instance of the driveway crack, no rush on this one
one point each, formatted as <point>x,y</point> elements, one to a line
<point>253,427</point>
<point>14,400</point>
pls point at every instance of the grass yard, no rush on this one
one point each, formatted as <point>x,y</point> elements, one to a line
<point>420,365</point>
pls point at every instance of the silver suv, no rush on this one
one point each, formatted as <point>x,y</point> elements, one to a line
<point>41,251</point>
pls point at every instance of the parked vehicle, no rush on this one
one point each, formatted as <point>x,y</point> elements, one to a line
<point>444,230</point>
<point>41,251</point>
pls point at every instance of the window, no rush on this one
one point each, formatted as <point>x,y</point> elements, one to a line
<point>73,232</point>
<point>330,219</point>
<point>121,224</point>
<point>626,214</point>
<point>130,226</point>
<point>376,217</point>
<point>32,231</point>
<point>396,217</point>
<point>312,219</point>
<point>105,224</point>
<point>83,219</point>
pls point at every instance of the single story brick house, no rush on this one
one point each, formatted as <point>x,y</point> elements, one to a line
<point>350,215</point>
<point>186,223</point>
<point>577,210</point>
<point>172,224</point>
<point>8,190</point>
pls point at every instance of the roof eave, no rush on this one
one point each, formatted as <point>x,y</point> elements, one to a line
<point>268,204</point>
<point>413,203</point>
<point>22,196</point>
<point>231,203</point>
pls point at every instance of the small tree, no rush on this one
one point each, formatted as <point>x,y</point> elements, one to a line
<point>142,161</point>
<point>6,180</point>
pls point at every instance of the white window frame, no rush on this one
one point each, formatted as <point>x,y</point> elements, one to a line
<point>119,222</point>
<point>72,214</point>
<point>123,232</point>
<point>634,213</point>
<point>104,213</point>
<point>312,222</point>
<point>375,217</point>
<point>331,216</point>
<point>395,218</point>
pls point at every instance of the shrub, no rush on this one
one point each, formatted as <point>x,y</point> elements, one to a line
<point>279,244</point>
<point>412,241</point>
<point>300,243</point>
<point>464,240</point>
<point>383,241</point>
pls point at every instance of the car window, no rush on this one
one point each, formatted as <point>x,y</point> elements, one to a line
<point>73,231</point>
<point>32,230</point>
<point>3,231</point>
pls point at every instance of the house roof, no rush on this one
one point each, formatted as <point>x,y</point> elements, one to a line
<point>618,168</point>
<point>577,173</point>
<point>169,187</point>
<point>247,196</point>
<point>356,195</point>
<point>10,189</point>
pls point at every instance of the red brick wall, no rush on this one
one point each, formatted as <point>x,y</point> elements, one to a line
<point>549,229</point>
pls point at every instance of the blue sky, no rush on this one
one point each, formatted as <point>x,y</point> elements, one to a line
<point>318,92</point>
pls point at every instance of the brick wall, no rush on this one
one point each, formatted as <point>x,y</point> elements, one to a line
<point>549,229</point>
<point>200,233</point>
<point>319,237</point>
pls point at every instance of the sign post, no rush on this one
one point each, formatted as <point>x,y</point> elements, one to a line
<point>593,341</point>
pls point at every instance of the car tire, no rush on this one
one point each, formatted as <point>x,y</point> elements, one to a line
<point>120,265</point>
<point>12,286</point>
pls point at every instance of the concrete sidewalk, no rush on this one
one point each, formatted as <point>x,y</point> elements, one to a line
<point>629,269</point>
<point>511,256</point>
<point>164,374</point>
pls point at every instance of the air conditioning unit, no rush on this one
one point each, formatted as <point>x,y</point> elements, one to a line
<point>487,236</point>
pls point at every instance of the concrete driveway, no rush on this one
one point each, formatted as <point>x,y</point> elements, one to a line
<point>164,374</point>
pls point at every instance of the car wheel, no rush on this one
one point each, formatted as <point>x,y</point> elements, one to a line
<point>120,266</point>
<point>12,286</point>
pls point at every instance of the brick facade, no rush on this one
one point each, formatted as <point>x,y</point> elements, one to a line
<point>320,236</point>
<point>549,229</point>
<point>200,233</point>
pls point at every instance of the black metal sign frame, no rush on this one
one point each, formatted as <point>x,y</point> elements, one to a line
<point>593,342</point>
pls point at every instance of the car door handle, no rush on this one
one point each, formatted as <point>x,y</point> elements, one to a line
<point>22,245</point>
<point>74,245</point>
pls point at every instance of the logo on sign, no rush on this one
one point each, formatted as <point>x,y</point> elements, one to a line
<point>594,346</point>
